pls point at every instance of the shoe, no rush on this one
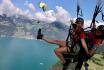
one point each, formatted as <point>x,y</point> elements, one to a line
<point>39,35</point>
<point>65,66</point>
<point>86,64</point>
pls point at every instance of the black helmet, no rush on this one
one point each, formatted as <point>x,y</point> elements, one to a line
<point>101,28</point>
<point>79,19</point>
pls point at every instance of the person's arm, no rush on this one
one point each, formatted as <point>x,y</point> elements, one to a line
<point>84,45</point>
<point>83,42</point>
<point>58,42</point>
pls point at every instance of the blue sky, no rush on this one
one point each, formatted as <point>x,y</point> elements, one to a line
<point>62,12</point>
<point>69,5</point>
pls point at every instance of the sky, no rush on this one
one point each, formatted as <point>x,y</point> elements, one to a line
<point>61,10</point>
<point>69,5</point>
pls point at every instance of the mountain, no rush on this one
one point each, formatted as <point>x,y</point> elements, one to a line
<point>24,27</point>
<point>7,26</point>
<point>59,25</point>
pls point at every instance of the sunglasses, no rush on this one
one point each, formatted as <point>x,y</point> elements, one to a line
<point>100,37</point>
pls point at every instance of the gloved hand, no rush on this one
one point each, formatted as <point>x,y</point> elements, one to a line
<point>39,35</point>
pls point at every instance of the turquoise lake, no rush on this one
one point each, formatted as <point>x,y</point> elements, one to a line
<point>22,54</point>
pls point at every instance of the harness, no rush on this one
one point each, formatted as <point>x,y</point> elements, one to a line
<point>74,43</point>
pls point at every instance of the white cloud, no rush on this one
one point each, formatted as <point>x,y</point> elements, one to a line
<point>31,7</point>
<point>59,15</point>
<point>27,11</point>
<point>46,16</point>
<point>27,14</point>
<point>88,22</point>
<point>62,15</point>
<point>7,7</point>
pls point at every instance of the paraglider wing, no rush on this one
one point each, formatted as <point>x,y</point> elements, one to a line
<point>98,9</point>
<point>43,6</point>
<point>79,10</point>
<point>102,16</point>
<point>81,13</point>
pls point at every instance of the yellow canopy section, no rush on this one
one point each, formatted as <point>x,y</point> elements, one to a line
<point>43,6</point>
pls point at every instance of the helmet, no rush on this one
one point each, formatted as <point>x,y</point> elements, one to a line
<point>101,28</point>
<point>79,19</point>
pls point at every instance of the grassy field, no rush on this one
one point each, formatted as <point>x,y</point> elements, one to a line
<point>95,63</point>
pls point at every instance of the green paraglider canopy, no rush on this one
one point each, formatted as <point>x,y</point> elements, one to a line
<point>43,6</point>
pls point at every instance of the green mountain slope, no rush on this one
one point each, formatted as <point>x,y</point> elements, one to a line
<point>95,63</point>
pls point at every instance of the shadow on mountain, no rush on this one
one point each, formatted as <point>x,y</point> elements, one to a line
<point>7,26</point>
<point>59,25</point>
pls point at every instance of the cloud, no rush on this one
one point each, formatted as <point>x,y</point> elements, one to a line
<point>62,15</point>
<point>28,14</point>
<point>88,22</point>
<point>7,7</point>
<point>59,15</point>
<point>30,6</point>
<point>46,16</point>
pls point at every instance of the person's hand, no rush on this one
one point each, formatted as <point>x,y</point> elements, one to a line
<point>89,55</point>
